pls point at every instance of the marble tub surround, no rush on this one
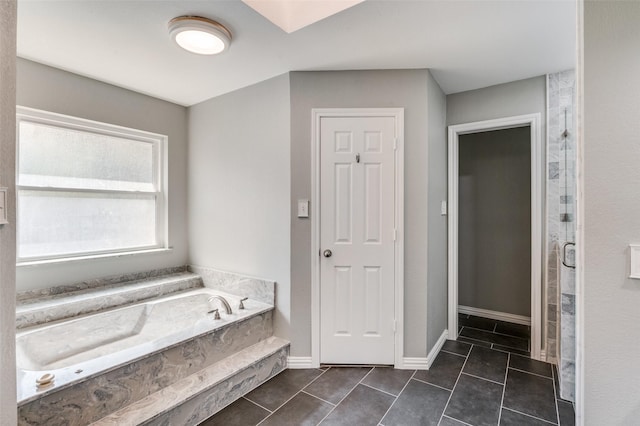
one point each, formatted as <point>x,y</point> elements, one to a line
<point>106,392</point>
<point>199,396</point>
<point>98,282</point>
<point>241,285</point>
<point>167,338</point>
<point>56,303</point>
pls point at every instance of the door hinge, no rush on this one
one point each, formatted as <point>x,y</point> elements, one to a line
<point>395,234</point>
<point>395,143</point>
<point>395,324</point>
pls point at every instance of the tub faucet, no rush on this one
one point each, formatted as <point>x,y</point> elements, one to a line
<point>226,305</point>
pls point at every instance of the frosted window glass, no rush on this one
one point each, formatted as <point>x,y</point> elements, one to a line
<point>68,223</point>
<point>67,158</point>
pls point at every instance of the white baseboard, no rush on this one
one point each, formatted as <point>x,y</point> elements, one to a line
<point>500,316</point>
<point>421,363</point>
<point>433,353</point>
<point>297,362</point>
<point>414,363</point>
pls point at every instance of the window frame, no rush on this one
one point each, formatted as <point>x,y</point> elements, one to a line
<point>160,176</point>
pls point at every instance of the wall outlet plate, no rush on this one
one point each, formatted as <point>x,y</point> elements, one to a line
<point>634,253</point>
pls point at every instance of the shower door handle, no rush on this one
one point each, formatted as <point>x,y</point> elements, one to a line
<point>564,255</point>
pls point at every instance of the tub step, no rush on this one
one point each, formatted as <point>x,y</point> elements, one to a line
<point>43,308</point>
<point>199,396</point>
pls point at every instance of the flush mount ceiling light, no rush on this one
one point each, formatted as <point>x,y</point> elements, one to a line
<point>199,35</point>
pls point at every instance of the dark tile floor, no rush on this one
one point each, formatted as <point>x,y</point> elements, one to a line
<point>468,384</point>
<point>494,334</point>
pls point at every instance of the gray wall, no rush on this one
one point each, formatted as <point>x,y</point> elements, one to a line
<point>611,212</point>
<point>504,100</point>
<point>436,222</point>
<point>353,89</point>
<point>8,232</point>
<point>494,234</point>
<point>239,180</point>
<point>51,89</point>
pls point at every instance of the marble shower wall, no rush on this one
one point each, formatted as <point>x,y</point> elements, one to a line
<point>561,162</point>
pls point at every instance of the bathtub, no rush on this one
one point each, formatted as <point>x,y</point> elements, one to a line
<point>85,347</point>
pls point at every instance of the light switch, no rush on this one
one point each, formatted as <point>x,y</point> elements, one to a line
<point>3,206</point>
<point>634,252</point>
<point>303,208</point>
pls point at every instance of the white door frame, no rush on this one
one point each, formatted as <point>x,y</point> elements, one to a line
<point>316,115</point>
<point>455,131</point>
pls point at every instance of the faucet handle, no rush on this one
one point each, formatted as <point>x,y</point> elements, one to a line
<point>216,314</point>
<point>241,305</point>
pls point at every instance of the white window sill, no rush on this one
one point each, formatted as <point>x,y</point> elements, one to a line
<point>92,257</point>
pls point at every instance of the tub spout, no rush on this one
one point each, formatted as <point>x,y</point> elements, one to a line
<point>226,305</point>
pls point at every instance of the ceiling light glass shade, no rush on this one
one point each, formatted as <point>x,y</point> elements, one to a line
<point>199,35</point>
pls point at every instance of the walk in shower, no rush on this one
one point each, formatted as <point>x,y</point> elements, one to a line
<point>561,227</point>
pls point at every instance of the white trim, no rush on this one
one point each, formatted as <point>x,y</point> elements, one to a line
<point>532,120</point>
<point>433,353</point>
<point>299,362</point>
<point>495,315</point>
<point>92,257</point>
<point>316,115</point>
<point>545,238</point>
<point>579,249</point>
<point>414,363</point>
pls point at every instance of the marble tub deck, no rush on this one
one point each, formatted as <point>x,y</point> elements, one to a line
<point>175,376</point>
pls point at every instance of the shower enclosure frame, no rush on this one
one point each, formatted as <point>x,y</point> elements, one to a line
<point>534,121</point>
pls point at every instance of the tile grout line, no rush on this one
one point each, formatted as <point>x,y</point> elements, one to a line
<point>455,384</point>
<point>379,390</point>
<point>484,343</point>
<point>530,416</point>
<point>483,378</point>
<point>456,420</point>
<point>555,395</point>
<point>509,350</point>
<point>293,396</point>
<point>346,395</point>
<point>431,384</point>
<point>453,353</point>
<point>399,393</point>
<point>256,404</point>
<point>504,388</point>
<point>496,332</point>
<point>316,397</point>
<point>533,374</point>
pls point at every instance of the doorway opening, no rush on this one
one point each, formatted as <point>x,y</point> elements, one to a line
<point>495,232</point>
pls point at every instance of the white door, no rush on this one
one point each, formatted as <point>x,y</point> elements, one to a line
<point>357,160</point>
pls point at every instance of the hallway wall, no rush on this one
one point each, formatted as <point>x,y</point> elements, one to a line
<point>611,208</point>
<point>494,230</point>
<point>8,17</point>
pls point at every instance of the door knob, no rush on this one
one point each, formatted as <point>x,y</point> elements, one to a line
<point>327,253</point>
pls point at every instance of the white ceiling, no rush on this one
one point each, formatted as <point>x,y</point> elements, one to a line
<point>467,44</point>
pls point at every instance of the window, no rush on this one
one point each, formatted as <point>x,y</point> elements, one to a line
<point>87,188</point>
